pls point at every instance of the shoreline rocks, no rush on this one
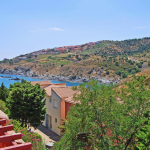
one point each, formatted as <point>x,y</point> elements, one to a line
<point>5,77</point>
<point>15,79</point>
<point>30,73</point>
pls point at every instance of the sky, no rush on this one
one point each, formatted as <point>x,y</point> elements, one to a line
<point>31,25</point>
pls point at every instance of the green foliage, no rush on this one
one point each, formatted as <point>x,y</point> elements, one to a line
<point>50,57</point>
<point>26,102</point>
<point>118,72</point>
<point>124,74</point>
<point>143,135</point>
<point>28,136</point>
<point>29,60</point>
<point>3,107</point>
<point>10,62</point>
<point>117,63</point>
<point>139,65</point>
<point>107,72</point>
<point>148,63</point>
<point>4,92</point>
<point>100,121</point>
<point>69,56</point>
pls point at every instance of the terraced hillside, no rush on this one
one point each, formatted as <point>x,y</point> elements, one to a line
<point>107,59</point>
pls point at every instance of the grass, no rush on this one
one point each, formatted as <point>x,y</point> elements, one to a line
<point>62,62</point>
<point>97,47</point>
<point>42,57</point>
<point>45,62</point>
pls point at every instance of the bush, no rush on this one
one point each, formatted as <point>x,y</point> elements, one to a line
<point>139,65</point>
<point>117,63</point>
<point>124,74</point>
<point>28,136</point>
<point>3,107</point>
<point>107,72</point>
<point>118,72</point>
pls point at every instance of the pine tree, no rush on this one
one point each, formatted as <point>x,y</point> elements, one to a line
<point>4,92</point>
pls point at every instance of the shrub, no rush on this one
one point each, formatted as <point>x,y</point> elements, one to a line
<point>3,107</point>
<point>28,136</point>
<point>117,63</point>
<point>124,74</point>
<point>107,72</point>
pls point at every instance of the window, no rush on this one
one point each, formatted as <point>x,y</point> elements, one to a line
<point>55,120</point>
<point>50,100</point>
<point>55,104</point>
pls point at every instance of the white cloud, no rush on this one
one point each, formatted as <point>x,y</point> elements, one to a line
<point>47,30</point>
<point>57,29</point>
<point>139,27</point>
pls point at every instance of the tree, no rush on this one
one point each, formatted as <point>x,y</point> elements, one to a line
<point>3,106</point>
<point>69,56</point>
<point>26,103</point>
<point>105,119</point>
<point>143,134</point>
<point>11,62</point>
<point>84,124</point>
<point>124,74</point>
<point>139,65</point>
<point>117,63</point>
<point>4,92</point>
<point>107,72</point>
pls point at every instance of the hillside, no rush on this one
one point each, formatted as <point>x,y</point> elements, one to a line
<point>99,60</point>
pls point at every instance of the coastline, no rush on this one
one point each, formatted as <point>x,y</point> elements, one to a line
<point>34,75</point>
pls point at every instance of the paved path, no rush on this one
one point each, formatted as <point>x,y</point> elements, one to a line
<point>133,60</point>
<point>47,135</point>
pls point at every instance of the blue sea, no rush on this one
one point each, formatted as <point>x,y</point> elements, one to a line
<point>7,81</point>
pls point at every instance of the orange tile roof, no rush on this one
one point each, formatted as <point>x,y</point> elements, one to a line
<point>49,88</point>
<point>64,92</point>
<point>42,83</point>
<point>70,100</point>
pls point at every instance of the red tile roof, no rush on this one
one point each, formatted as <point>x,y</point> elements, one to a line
<point>9,140</point>
<point>42,83</point>
<point>49,88</point>
<point>64,92</point>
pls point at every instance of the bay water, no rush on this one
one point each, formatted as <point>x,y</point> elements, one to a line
<point>7,81</point>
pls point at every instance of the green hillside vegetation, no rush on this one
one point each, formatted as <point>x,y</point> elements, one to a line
<point>98,47</point>
<point>109,56</point>
<point>109,117</point>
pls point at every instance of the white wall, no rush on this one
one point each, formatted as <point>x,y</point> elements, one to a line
<point>55,113</point>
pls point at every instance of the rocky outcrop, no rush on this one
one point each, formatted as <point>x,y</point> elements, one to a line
<point>27,72</point>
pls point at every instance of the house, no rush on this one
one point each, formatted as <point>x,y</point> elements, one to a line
<point>21,58</point>
<point>58,102</point>
<point>9,140</point>
<point>43,84</point>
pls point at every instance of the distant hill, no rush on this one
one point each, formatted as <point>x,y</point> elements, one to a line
<point>94,59</point>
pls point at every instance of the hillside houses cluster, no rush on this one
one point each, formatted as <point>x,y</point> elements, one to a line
<point>56,50</point>
<point>76,47</point>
